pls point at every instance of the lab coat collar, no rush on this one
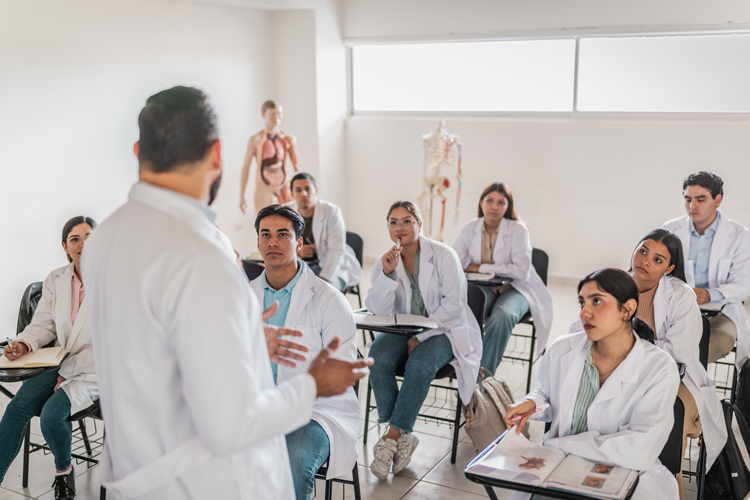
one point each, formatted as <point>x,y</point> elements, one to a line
<point>63,300</point>
<point>426,268</point>
<point>301,293</point>
<point>172,203</point>
<point>722,239</point>
<point>499,243</point>
<point>662,298</point>
<point>626,373</point>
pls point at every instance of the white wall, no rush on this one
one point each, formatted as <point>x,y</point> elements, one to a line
<point>75,74</point>
<point>588,188</point>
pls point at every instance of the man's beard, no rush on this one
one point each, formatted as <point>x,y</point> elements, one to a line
<point>214,190</point>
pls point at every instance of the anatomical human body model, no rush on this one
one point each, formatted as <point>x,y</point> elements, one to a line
<point>441,151</point>
<point>269,148</point>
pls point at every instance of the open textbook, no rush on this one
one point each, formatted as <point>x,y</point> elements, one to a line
<point>398,319</point>
<point>517,459</point>
<point>47,356</point>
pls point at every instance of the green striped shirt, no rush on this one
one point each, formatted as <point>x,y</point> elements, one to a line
<point>587,391</point>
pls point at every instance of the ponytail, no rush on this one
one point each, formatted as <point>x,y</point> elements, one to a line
<point>642,329</point>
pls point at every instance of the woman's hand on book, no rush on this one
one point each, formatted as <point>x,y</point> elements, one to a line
<point>519,408</point>
<point>16,350</point>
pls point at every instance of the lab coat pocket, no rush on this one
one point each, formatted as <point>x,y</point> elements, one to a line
<point>724,266</point>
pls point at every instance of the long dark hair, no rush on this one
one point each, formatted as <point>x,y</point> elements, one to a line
<point>674,247</point>
<point>621,286</point>
<point>503,189</point>
<point>68,227</point>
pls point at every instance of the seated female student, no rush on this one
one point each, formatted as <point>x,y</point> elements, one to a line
<point>423,277</point>
<point>61,317</point>
<point>498,243</point>
<point>611,391</point>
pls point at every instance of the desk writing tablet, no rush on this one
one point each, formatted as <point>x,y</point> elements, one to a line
<point>486,280</point>
<point>405,330</point>
<point>21,374</point>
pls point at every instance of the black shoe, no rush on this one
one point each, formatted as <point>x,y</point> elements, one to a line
<point>65,486</point>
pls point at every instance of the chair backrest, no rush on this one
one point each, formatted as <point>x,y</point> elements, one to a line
<point>29,301</point>
<point>475,298</point>
<point>358,245</point>
<point>703,346</point>
<point>671,454</point>
<point>252,269</point>
<point>540,261</point>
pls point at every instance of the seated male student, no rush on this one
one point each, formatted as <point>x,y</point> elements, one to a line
<point>717,263</point>
<point>324,247</point>
<point>308,304</point>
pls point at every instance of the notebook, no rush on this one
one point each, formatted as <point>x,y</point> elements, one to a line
<point>47,356</point>
<point>398,319</point>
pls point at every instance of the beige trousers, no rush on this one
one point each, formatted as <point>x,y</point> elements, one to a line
<point>692,426</point>
<point>723,337</point>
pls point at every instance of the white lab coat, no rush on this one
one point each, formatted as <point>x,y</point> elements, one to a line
<point>728,272</point>
<point>187,391</point>
<point>678,332</point>
<point>321,312</point>
<point>51,321</point>
<point>443,287</point>
<point>337,259</point>
<point>629,420</point>
<point>512,256</point>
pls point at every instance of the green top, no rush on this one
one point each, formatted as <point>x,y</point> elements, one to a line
<point>417,304</point>
<point>588,388</point>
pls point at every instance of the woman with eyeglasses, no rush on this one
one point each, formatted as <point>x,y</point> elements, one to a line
<point>423,277</point>
<point>62,318</point>
<point>497,243</point>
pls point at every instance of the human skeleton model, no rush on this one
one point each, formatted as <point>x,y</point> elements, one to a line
<point>269,147</point>
<point>441,151</point>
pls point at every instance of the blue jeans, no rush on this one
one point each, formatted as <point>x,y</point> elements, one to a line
<point>37,395</point>
<point>401,408</point>
<point>502,313</point>
<point>308,450</point>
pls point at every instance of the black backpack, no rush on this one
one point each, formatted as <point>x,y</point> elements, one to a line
<point>729,478</point>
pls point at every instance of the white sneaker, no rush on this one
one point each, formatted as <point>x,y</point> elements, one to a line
<point>384,450</point>
<point>406,445</point>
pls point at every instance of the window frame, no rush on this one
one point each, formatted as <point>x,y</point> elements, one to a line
<point>575,114</point>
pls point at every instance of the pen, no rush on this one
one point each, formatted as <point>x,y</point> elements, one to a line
<point>12,349</point>
<point>398,244</point>
<point>516,418</point>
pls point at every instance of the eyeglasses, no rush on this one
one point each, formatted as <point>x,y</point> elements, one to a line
<point>406,223</point>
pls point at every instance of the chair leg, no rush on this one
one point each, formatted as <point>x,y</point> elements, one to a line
<point>359,297</point>
<point>329,489</point>
<point>85,436</point>
<point>367,412</point>
<point>701,469</point>
<point>454,452</point>
<point>26,451</point>
<point>102,493</point>
<point>355,480</point>
<point>6,392</point>
<point>733,397</point>
<point>531,358</point>
<point>490,492</point>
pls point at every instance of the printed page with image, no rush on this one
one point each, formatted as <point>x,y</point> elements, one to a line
<point>517,459</point>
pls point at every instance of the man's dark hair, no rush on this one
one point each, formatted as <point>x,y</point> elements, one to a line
<point>297,221</point>
<point>299,177</point>
<point>178,126</point>
<point>708,180</point>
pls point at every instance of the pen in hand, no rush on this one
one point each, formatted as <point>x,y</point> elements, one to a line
<point>519,416</point>
<point>10,346</point>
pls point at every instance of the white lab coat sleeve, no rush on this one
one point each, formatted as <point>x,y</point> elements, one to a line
<point>685,332</point>
<point>453,290</point>
<point>42,330</point>
<point>336,244</point>
<point>540,395</point>
<point>219,378</point>
<point>737,287</point>
<point>381,299</point>
<point>461,246</point>
<point>519,267</point>
<point>639,443</point>
<point>339,322</point>
<point>79,364</point>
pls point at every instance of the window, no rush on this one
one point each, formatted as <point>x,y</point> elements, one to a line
<point>527,75</point>
<point>698,73</point>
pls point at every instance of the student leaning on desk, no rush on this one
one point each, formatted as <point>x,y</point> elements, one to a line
<point>424,277</point>
<point>611,391</point>
<point>62,317</point>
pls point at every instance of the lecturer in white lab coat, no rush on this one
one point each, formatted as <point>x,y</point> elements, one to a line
<point>717,263</point>
<point>187,391</point>
<point>324,247</point>
<point>61,318</point>
<point>423,277</point>
<point>311,306</point>
<point>611,391</point>
<point>667,303</point>
<point>498,243</point>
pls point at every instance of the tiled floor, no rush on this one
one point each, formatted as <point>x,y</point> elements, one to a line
<point>430,475</point>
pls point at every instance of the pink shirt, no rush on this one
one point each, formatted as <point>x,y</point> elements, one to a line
<point>76,297</point>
